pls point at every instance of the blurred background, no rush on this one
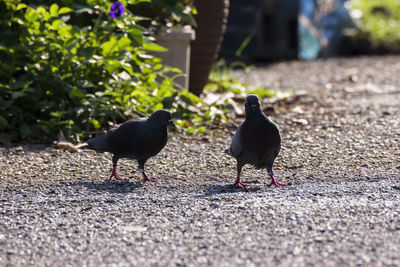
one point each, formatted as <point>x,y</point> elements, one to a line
<point>264,30</point>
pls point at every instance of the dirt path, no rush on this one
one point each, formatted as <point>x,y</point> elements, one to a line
<point>340,158</point>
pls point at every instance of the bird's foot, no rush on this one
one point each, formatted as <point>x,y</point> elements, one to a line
<point>147,179</point>
<point>275,182</point>
<point>114,174</point>
<point>240,184</point>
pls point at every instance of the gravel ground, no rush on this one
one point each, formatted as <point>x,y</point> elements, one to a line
<point>340,158</point>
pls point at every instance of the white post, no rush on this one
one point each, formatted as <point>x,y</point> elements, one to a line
<point>177,41</point>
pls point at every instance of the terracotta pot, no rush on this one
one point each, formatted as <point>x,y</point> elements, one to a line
<point>211,23</point>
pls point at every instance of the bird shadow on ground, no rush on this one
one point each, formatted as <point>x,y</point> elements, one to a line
<point>111,187</point>
<point>229,188</point>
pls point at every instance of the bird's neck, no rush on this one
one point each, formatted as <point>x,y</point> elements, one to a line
<point>255,116</point>
<point>155,128</point>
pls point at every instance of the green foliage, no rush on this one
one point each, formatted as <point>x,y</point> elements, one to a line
<point>72,69</point>
<point>67,67</point>
<point>173,12</point>
<point>380,22</point>
<point>166,13</point>
<point>222,81</point>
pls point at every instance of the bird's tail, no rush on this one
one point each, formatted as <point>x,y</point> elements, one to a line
<point>98,143</point>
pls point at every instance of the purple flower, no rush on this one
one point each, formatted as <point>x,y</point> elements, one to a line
<point>117,9</point>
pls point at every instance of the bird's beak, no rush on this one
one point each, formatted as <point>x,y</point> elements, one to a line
<point>171,122</point>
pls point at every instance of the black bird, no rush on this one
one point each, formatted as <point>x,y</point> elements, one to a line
<point>257,141</point>
<point>135,139</point>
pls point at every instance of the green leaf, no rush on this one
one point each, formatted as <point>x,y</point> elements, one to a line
<point>176,70</point>
<point>112,65</point>
<point>56,24</point>
<point>75,93</point>
<point>54,10</point>
<point>201,129</point>
<point>136,36</point>
<point>5,139</point>
<point>55,114</point>
<point>41,10</point>
<point>191,130</point>
<point>96,124</point>
<point>65,10</point>
<point>124,42</point>
<point>31,15</point>
<point>150,46</point>
<point>109,46</point>
<point>159,106</point>
<point>262,92</point>
<point>189,98</point>
<point>65,31</point>
<point>128,68</point>
<point>45,15</point>
<point>21,6</point>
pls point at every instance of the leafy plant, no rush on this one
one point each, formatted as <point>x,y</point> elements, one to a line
<point>166,13</point>
<point>380,22</point>
<point>71,70</point>
<point>222,80</point>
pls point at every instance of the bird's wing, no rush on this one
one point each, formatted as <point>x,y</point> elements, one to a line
<point>124,139</point>
<point>277,149</point>
<point>236,148</point>
<point>100,143</point>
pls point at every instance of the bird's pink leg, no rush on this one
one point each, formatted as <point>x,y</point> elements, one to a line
<point>275,182</point>
<point>145,178</point>
<point>238,183</point>
<point>114,174</point>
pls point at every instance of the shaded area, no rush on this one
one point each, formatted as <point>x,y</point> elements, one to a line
<point>111,187</point>
<point>230,188</point>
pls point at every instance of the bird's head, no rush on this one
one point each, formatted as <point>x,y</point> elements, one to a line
<point>252,104</point>
<point>163,117</point>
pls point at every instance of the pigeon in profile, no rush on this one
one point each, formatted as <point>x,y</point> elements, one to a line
<point>135,139</point>
<point>257,141</point>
